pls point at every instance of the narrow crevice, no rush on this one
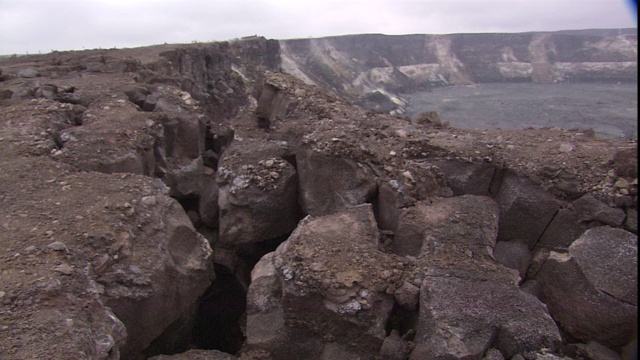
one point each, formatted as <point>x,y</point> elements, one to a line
<point>545,230</point>
<point>491,191</point>
<point>253,252</point>
<point>404,321</point>
<point>615,298</point>
<point>217,323</point>
<point>209,143</point>
<point>291,159</point>
<point>220,137</point>
<point>496,182</point>
<point>191,206</point>
<point>210,157</point>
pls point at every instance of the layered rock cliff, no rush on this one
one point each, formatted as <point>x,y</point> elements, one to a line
<point>376,68</point>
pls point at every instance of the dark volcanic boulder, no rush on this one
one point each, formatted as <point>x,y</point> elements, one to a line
<point>165,270</point>
<point>257,194</point>
<point>525,209</point>
<point>464,313</point>
<point>442,225</point>
<point>592,290</point>
<point>513,254</point>
<point>323,290</point>
<point>468,301</point>
<point>467,178</point>
<point>329,184</point>
<point>569,223</point>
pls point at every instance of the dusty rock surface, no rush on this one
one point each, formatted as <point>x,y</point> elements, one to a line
<point>104,153</point>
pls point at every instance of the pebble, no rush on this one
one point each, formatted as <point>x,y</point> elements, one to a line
<point>64,269</point>
<point>57,246</point>
<point>566,147</point>
<point>407,175</point>
<point>149,200</point>
<point>622,183</point>
<point>287,273</point>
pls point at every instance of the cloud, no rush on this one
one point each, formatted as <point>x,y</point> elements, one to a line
<point>38,25</point>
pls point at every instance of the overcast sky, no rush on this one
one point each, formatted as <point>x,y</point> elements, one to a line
<point>43,25</point>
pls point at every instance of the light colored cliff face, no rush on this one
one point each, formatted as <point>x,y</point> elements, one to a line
<point>357,65</point>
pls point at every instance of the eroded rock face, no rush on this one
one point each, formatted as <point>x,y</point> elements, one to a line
<point>105,274</point>
<point>363,68</point>
<point>591,289</point>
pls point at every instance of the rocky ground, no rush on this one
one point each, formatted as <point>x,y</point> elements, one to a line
<point>140,188</point>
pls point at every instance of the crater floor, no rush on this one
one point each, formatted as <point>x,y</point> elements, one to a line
<point>610,109</point>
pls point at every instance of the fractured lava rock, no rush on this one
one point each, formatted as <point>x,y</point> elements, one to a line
<point>591,289</point>
<point>257,194</point>
<point>324,285</point>
<point>372,236</point>
<point>328,284</point>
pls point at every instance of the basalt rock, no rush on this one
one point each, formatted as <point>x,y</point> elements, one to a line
<point>525,209</point>
<point>398,257</point>
<point>422,232</point>
<point>308,291</point>
<point>100,145</point>
<point>137,290</point>
<point>468,302</point>
<point>468,178</point>
<point>459,317</point>
<point>590,290</point>
<point>340,184</point>
<point>513,254</point>
<point>257,194</point>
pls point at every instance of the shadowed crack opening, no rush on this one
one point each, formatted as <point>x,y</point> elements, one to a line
<point>217,323</point>
<point>252,253</point>
<point>402,320</point>
<point>190,205</point>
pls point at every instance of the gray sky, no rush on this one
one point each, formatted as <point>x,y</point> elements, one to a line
<point>43,25</point>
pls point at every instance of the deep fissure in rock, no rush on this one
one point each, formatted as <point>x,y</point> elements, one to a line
<point>252,253</point>
<point>402,320</point>
<point>190,205</point>
<point>217,323</point>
